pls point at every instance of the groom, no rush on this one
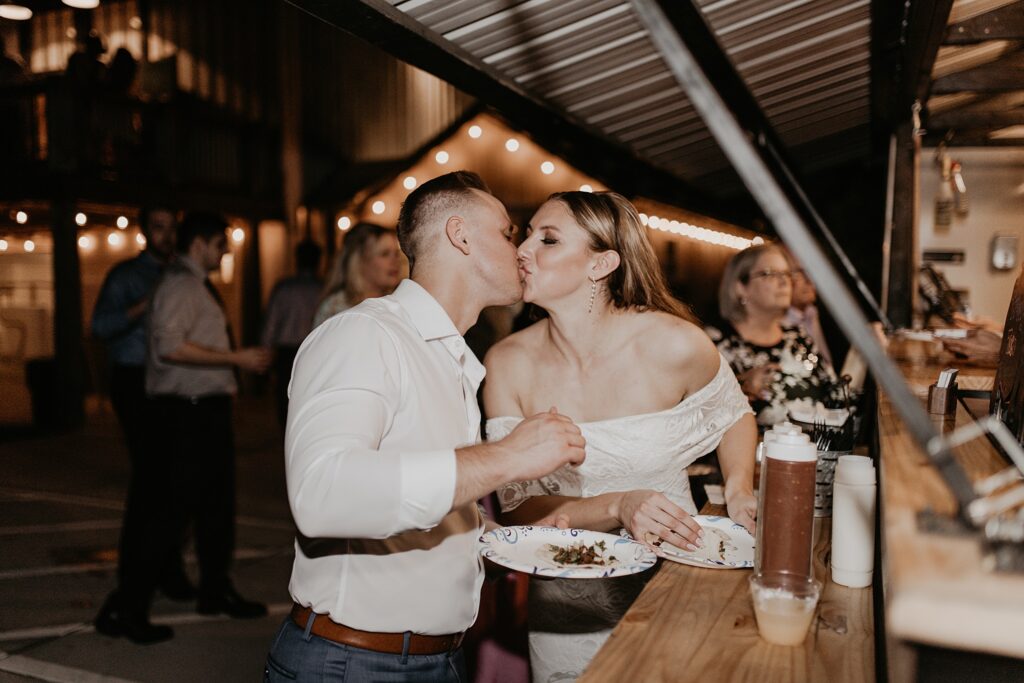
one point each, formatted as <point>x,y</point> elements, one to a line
<point>383,461</point>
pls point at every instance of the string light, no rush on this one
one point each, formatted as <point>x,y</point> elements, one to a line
<point>122,222</point>
<point>378,207</point>
<point>116,240</point>
<point>512,144</point>
<point>547,168</point>
<point>15,12</point>
<point>29,246</point>
<point>21,217</point>
<point>238,235</point>
<point>722,239</point>
<point>757,240</point>
<point>140,240</point>
<point>81,218</point>
<point>86,242</point>
<point>585,187</point>
<point>344,223</point>
<point>3,245</point>
<point>441,157</point>
<point>475,131</point>
<point>409,182</point>
<point>82,4</point>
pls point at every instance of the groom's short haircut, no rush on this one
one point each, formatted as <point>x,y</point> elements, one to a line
<point>428,203</point>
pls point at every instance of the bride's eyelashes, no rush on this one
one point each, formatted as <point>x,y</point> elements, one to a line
<point>548,240</point>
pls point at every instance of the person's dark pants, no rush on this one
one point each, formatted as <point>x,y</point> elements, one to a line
<point>201,481</point>
<point>296,655</point>
<point>143,561</point>
<point>284,358</point>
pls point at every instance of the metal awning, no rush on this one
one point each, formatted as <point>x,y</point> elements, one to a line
<point>805,61</point>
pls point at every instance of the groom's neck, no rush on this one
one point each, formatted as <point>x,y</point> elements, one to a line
<point>451,293</point>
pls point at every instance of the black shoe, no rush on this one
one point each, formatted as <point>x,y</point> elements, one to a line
<point>178,587</point>
<point>229,602</point>
<point>114,621</point>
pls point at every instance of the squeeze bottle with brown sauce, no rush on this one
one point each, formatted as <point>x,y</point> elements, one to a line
<point>785,514</point>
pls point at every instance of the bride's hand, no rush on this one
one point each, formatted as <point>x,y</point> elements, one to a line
<point>742,507</point>
<point>651,518</point>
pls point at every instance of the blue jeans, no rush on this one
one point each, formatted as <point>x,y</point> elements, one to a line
<point>304,657</point>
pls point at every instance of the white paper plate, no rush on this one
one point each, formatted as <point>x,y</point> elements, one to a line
<point>526,549</point>
<point>727,545</point>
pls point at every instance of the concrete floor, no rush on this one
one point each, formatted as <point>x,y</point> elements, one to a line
<point>60,511</point>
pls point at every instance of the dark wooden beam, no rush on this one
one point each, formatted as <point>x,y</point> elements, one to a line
<point>389,29</point>
<point>970,138</point>
<point>888,36</point>
<point>974,118</point>
<point>1005,23</point>
<point>925,28</point>
<point>999,76</point>
<point>901,270</point>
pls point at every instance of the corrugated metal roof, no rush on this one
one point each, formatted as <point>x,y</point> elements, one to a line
<point>805,61</point>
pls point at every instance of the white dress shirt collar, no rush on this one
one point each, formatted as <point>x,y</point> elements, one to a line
<point>433,323</point>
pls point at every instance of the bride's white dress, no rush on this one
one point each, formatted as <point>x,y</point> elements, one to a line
<point>570,619</point>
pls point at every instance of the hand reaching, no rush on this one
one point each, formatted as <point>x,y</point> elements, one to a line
<point>541,444</point>
<point>742,509</point>
<point>650,518</point>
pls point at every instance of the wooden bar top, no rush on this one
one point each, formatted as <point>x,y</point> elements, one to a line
<point>697,624</point>
<point>936,588</point>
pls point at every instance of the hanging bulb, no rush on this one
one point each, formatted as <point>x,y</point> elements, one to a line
<point>959,190</point>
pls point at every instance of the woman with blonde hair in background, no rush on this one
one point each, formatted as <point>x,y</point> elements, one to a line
<point>646,387</point>
<point>778,366</point>
<point>369,266</point>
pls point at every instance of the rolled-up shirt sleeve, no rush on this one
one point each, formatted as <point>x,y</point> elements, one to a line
<point>171,317</point>
<point>343,481</point>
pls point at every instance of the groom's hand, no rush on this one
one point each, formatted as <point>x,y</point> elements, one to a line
<point>541,444</point>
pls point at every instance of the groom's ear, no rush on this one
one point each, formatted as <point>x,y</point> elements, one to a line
<point>605,264</point>
<point>458,233</point>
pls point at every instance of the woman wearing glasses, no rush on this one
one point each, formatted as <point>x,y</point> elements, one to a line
<point>778,367</point>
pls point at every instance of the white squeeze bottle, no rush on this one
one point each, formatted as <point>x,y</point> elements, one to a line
<point>853,521</point>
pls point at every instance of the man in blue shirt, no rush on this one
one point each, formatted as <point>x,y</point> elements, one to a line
<point>119,321</point>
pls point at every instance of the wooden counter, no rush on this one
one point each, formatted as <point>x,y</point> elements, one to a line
<point>696,624</point>
<point>936,589</point>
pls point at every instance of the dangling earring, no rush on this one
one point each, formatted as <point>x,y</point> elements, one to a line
<point>593,293</point>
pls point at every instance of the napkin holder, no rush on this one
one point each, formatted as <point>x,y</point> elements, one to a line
<point>942,400</point>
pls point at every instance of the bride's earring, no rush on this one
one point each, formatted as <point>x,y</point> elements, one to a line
<point>593,293</point>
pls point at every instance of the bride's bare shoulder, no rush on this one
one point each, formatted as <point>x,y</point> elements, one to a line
<point>516,348</point>
<point>680,343</point>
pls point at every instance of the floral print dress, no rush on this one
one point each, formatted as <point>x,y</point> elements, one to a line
<point>805,377</point>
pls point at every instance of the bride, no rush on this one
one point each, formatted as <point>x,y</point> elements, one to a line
<point>647,388</point>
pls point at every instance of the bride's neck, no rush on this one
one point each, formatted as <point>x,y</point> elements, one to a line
<point>581,336</point>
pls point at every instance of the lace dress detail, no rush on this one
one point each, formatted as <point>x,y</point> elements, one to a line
<point>571,619</point>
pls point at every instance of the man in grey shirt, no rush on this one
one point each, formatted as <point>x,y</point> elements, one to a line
<point>190,374</point>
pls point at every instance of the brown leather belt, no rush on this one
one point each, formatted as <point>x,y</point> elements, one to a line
<point>391,643</point>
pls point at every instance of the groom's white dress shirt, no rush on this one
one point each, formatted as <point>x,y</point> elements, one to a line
<point>380,397</point>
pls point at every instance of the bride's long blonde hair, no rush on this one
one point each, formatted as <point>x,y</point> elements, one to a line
<point>612,223</point>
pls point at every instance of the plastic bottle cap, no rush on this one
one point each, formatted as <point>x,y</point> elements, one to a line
<point>792,446</point>
<point>855,469</point>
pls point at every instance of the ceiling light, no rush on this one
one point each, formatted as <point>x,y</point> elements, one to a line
<point>3,245</point>
<point>512,144</point>
<point>82,4</point>
<point>21,217</point>
<point>116,240</point>
<point>585,187</point>
<point>547,168</point>
<point>122,222</point>
<point>344,223</point>
<point>29,246</point>
<point>238,235</point>
<point>475,131</point>
<point>81,218</point>
<point>441,157</point>
<point>86,242</point>
<point>15,12</point>
<point>140,240</point>
<point>378,207</point>
<point>409,182</point>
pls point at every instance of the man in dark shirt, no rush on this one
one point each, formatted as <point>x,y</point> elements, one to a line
<point>119,321</point>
